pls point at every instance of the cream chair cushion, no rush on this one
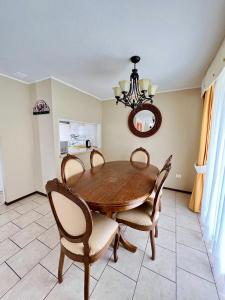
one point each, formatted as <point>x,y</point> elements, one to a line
<point>103,229</point>
<point>139,215</point>
<point>69,214</point>
<point>97,160</point>
<point>140,156</point>
<point>72,168</point>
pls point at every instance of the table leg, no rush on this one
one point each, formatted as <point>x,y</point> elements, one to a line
<point>127,245</point>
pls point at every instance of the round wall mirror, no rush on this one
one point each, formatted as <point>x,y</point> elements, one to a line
<point>145,121</point>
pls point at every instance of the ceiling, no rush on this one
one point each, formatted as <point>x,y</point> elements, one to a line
<point>88,43</point>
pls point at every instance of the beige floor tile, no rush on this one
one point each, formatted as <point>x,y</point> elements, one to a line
<point>185,211</point>
<point>194,288</point>
<point>113,285</point>
<point>190,238</point>
<point>46,221</point>
<point>72,286</point>
<point>4,208</point>
<point>152,286</point>
<point>8,230</point>
<point>7,249</point>
<point>97,267</point>
<point>34,286</point>
<point>8,279</point>
<point>43,209</point>
<point>189,223</point>
<point>182,202</point>
<point>167,222</point>
<point>28,234</point>
<point>8,216</point>
<point>168,211</point>
<point>128,263</point>
<point>27,219</point>
<point>194,261</point>
<point>51,261</point>
<point>137,237</point>
<point>40,199</point>
<point>168,202</point>
<point>50,237</point>
<point>168,194</point>
<point>22,209</point>
<point>164,264</point>
<point>24,260</point>
<point>183,196</point>
<point>166,239</point>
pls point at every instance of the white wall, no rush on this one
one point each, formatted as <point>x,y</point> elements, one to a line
<point>16,135</point>
<point>179,134</point>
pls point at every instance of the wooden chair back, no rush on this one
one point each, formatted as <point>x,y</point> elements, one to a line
<point>96,158</point>
<point>168,161</point>
<point>140,155</point>
<point>159,185</point>
<point>71,165</point>
<point>72,214</point>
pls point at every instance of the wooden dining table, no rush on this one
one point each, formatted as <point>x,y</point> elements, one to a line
<point>115,186</point>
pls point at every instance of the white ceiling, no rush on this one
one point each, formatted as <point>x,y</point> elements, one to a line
<point>88,43</point>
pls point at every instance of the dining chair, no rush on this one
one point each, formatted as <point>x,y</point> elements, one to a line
<point>96,158</point>
<point>168,161</point>
<point>152,196</point>
<point>145,217</point>
<point>140,155</point>
<point>70,166</point>
<point>85,236</point>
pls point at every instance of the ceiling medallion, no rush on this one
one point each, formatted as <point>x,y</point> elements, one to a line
<point>135,92</point>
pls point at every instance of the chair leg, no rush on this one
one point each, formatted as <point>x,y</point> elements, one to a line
<point>60,269</point>
<point>86,280</point>
<point>160,205</point>
<point>156,231</point>
<point>116,246</point>
<point>152,238</point>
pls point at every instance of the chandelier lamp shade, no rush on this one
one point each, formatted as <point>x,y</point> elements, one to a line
<point>135,92</point>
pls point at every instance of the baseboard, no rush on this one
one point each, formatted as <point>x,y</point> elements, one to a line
<point>26,196</point>
<point>40,193</point>
<point>177,190</point>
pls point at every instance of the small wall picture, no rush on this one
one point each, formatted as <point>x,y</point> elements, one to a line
<point>40,108</point>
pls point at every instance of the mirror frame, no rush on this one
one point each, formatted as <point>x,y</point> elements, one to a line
<point>158,120</point>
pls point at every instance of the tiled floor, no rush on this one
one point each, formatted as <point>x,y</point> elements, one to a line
<point>29,252</point>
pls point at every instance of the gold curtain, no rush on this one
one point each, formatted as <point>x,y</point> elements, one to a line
<point>196,196</point>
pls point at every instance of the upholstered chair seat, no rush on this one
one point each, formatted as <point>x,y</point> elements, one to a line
<point>140,215</point>
<point>103,230</point>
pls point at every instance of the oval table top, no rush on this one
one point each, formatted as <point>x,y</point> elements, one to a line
<point>115,186</point>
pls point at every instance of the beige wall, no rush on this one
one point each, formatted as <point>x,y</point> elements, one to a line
<point>30,144</point>
<point>44,152</point>
<point>178,135</point>
<point>72,104</point>
<point>16,138</point>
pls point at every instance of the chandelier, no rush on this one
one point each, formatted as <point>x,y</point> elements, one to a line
<point>135,92</point>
